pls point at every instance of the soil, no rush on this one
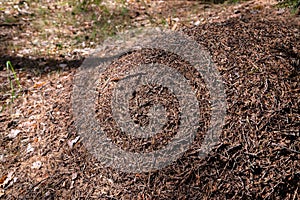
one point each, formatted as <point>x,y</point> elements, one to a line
<point>256,49</point>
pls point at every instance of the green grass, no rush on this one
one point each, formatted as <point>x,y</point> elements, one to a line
<point>14,86</point>
<point>292,4</point>
<point>14,91</point>
<point>288,3</point>
<point>51,21</point>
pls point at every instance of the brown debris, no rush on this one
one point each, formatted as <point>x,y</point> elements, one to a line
<point>257,54</point>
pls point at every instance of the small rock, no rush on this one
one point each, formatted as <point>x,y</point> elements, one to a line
<point>197,23</point>
<point>280,11</point>
<point>29,148</point>
<point>59,86</point>
<point>63,65</point>
<point>13,133</point>
<point>176,19</point>
<point>110,181</point>
<point>47,194</point>
<point>8,12</point>
<point>35,42</point>
<point>36,165</point>
<point>74,176</point>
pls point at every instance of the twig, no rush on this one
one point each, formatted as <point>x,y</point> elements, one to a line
<point>289,149</point>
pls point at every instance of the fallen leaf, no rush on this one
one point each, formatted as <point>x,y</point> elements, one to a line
<point>8,178</point>
<point>72,142</point>
<point>2,179</point>
<point>39,84</point>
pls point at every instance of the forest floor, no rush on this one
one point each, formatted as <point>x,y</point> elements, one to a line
<point>255,46</point>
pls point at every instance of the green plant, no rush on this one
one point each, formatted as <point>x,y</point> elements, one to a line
<point>83,5</point>
<point>234,1</point>
<point>292,4</point>
<point>10,70</point>
<point>288,3</point>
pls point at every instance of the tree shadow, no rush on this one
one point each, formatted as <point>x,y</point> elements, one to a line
<point>42,65</point>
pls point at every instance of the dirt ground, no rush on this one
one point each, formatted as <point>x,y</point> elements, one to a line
<point>255,46</point>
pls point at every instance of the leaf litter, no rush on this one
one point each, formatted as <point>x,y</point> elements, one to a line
<point>257,53</point>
